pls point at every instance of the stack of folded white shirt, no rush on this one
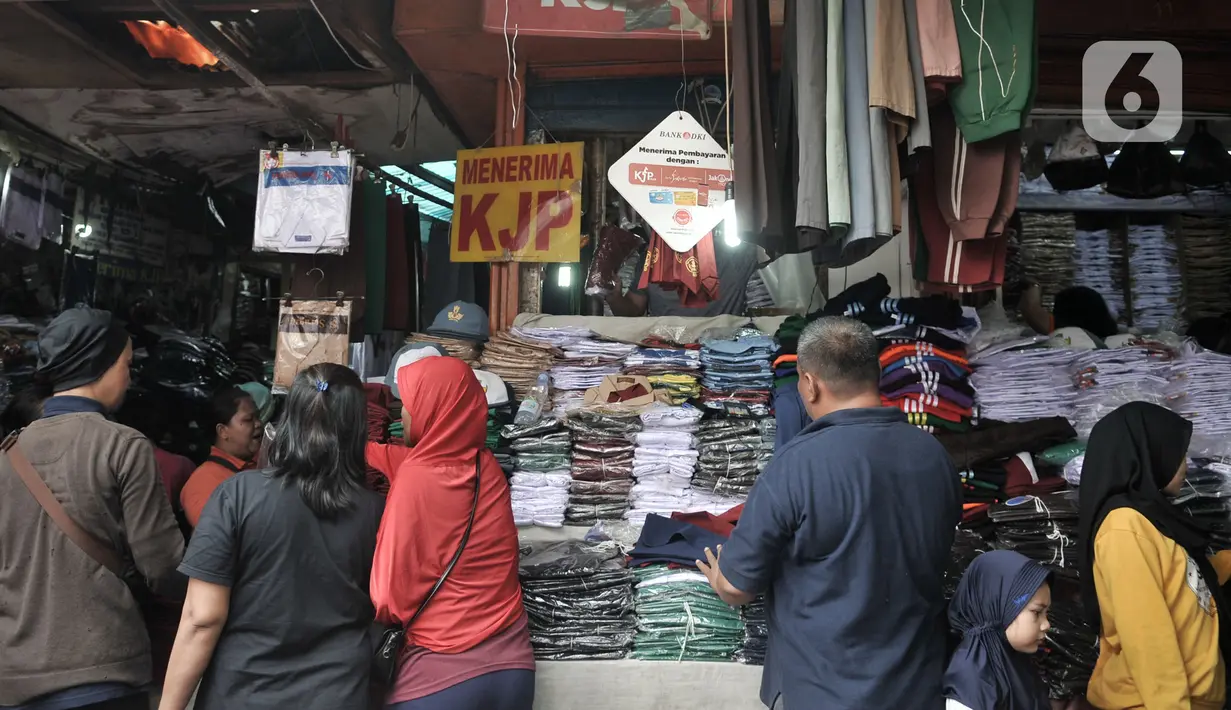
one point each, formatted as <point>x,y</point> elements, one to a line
<point>1199,392</point>
<point>704,501</point>
<point>1155,272</point>
<point>540,498</point>
<point>663,461</point>
<point>585,364</point>
<point>1021,385</point>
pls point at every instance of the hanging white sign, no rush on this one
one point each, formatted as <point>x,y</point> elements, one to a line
<point>676,178</point>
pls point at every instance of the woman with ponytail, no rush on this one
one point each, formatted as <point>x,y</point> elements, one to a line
<point>278,613</point>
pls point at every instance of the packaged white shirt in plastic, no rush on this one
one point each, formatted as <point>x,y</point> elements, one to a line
<point>30,206</point>
<point>303,201</point>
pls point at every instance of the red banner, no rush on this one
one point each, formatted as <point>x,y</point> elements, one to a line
<point>654,19</point>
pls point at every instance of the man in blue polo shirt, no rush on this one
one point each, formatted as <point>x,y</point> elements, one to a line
<point>848,531</point>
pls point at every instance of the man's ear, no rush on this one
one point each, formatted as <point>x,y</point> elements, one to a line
<point>809,389</point>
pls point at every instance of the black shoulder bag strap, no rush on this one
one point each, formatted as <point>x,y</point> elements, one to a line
<point>224,463</point>
<point>388,653</point>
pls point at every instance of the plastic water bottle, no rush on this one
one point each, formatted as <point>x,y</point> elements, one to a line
<point>531,409</point>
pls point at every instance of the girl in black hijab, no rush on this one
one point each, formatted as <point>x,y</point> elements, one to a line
<point>1147,579</point>
<point>1000,608</point>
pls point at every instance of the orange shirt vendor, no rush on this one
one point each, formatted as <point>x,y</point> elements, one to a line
<point>237,441</point>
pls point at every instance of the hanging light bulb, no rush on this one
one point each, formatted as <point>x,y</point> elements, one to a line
<point>730,229</point>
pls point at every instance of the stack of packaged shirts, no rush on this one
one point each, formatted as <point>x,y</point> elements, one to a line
<point>466,350</point>
<point>738,377</point>
<point>769,432</point>
<point>1154,271</point>
<point>678,388</point>
<point>1199,392</point>
<point>585,364</point>
<point>555,337</point>
<point>541,476</point>
<point>673,370</point>
<point>681,618</point>
<point>1071,647</point>
<point>1047,244</point>
<point>605,350</point>
<point>579,600</point>
<point>756,634</point>
<point>1020,385</point>
<point>518,361</point>
<point>1043,528</point>
<point>1207,266</point>
<point>661,361</point>
<point>663,461</point>
<point>602,471</point>
<point>732,455</point>
<point>1206,496</point>
<point>1106,379</point>
<point>966,547</point>
<point>1100,266</point>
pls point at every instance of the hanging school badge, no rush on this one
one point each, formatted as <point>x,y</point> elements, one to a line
<point>676,178</point>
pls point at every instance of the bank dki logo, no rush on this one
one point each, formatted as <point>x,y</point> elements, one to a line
<point>1142,83</point>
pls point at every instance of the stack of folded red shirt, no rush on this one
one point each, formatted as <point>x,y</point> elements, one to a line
<point>930,383</point>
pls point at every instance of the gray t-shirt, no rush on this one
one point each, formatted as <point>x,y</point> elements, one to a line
<point>299,632</point>
<point>735,267</point>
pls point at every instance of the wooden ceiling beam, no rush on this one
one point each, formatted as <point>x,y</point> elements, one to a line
<point>430,177</point>
<point>412,189</point>
<point>79,36</point>
<point>214,41</point>
<point>136,7</point>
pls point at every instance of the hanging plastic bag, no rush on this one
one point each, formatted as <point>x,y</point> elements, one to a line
<point>615,245</point>
<point>791,281</point>
<point>310,333</point>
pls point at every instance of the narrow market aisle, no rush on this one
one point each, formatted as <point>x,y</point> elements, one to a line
<point>627,684</point>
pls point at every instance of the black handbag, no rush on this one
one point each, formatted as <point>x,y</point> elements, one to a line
<point>393,640</point>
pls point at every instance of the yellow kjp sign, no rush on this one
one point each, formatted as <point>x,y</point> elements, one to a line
<point>521,203</point>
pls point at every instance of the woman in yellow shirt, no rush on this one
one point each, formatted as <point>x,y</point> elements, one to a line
<point>1148,581</point>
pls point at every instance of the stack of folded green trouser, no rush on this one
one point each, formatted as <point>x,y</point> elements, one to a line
<point>680,618</point>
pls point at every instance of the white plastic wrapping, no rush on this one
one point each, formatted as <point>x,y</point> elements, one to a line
<point>303,201</point>
<point>791,281</point>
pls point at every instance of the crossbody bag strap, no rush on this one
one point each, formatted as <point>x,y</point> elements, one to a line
<point>224,463</point>
<point>474,506</point>
<point>101,552</point>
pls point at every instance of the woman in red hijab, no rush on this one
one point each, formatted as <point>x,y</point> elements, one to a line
<point>470,647</point>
